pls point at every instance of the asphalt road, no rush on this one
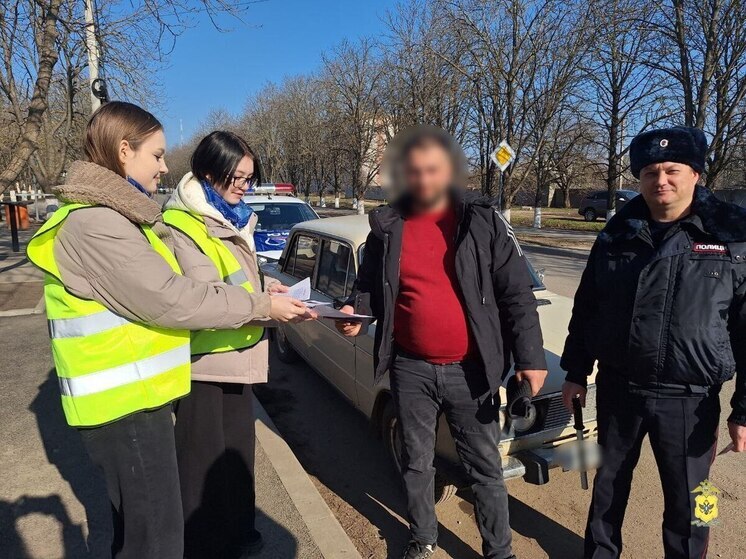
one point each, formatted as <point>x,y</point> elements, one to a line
<point>52,501</point>
<point>350,467</point>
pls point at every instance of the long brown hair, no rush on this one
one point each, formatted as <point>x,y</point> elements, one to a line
<point>112,123</point>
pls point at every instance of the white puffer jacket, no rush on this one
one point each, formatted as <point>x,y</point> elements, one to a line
<point>247,366</point>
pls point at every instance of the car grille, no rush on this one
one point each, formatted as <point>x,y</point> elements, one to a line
<point>552,415</point>
<point>557,416</point>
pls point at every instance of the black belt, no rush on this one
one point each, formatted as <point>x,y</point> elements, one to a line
<point>672,390</point>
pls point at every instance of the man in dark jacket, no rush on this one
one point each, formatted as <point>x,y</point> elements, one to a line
<point>451,292</point>
<point>660,306</point>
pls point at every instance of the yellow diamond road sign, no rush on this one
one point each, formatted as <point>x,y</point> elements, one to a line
<point>503,155</point>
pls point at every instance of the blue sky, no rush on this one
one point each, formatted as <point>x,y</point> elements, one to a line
<point>210,69</point>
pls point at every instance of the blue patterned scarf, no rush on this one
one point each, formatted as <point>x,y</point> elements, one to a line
<point>238,215</point>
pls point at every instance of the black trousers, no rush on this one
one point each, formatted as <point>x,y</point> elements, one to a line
<point>138,459</point>
<point>422,391</point>
<point>215,448</point>
<point>683,435</point>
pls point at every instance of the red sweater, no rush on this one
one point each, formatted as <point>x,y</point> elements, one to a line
<point>429,317</point>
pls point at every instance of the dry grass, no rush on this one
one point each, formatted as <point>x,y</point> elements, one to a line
<point>556,218</point>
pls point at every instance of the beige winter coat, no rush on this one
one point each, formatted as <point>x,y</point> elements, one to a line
<point>247,366</point>
<point>103,255</point>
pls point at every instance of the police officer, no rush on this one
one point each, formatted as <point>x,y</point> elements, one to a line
<point>660,306</point>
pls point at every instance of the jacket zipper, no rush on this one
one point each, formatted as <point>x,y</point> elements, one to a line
<point>663,338</point>
<point>388,303</point>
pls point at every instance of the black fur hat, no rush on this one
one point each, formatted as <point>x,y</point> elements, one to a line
<point>680,144</point>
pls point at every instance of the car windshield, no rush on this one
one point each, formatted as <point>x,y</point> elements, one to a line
<point>629,193</point>
<point>275,216</point>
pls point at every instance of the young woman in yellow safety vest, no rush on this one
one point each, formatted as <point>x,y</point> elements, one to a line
<point>120,312</point>
<point>213,239</point>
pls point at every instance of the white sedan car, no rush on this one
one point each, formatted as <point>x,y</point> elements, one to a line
<point>329,251</point>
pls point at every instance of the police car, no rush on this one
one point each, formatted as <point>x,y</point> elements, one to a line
<point>277,215</point>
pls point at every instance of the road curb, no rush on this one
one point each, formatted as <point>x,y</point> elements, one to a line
<point>325,529</point>
<point>38,309</point>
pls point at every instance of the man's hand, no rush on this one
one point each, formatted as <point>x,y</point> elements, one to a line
<point>287,309</point>
<point>569,391</point>
<point>737,436</point>
<point>348,328</point>
<point>277,288</point>
<point>535,378</point>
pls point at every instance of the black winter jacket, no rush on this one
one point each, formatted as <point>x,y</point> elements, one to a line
<point>493,277</point>
<point>671,315</point>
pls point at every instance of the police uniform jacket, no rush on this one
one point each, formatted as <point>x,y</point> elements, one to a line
<point>665,314</point>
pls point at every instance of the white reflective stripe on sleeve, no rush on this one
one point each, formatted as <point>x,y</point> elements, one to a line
<point>122,375</point>
<point>510,232</point>
<point>236,278</point>
<point>85,325</point>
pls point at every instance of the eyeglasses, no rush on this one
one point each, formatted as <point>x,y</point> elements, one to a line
<point>244,182</point>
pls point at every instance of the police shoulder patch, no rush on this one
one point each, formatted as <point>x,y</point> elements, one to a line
<point>709,248</point>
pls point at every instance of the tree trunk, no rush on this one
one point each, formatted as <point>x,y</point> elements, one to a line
<point>537,217</point>
<point>47,52</point>
<point>361,206</point>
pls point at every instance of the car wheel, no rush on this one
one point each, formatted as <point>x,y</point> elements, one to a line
<point>285,351</point>
<point>590,214</point>
<point>391,434</point>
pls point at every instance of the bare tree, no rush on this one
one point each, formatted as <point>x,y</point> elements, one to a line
<point>419,86</point>
<point>28,37</point>
<point>36,34</point>
<point>353,76</point>
<point>705,47</point>
<point>621,88</point>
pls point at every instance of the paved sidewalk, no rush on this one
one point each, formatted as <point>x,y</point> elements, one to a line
<point>52,501</point>
<point>21,283</point>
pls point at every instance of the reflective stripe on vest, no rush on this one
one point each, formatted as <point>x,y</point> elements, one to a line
<point>85,325</point>
<point>107,366</point>
<point>229,268</point>
<point>124,374</point>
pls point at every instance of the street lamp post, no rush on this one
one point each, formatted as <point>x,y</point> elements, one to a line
<point>92,47</point>
<point>95,64</point>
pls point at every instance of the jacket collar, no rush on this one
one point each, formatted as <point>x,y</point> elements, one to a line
<point>720,220</point>
<point>384,218</point>
<point>190,197</point>
<point>88,183</point>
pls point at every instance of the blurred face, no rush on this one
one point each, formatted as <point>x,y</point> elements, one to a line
<point>236,186</point>
<point>428,172</point>
<point>668,186</point>
<point>147,163</point>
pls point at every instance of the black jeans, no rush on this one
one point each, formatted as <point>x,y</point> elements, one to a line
<point>138,459</point>
<point>422,391</point>
<point>215,447</point>
<point>683,435</point>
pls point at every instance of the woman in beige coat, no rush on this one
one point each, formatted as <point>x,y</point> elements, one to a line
<point>120,312</point>
<point>212,228</point>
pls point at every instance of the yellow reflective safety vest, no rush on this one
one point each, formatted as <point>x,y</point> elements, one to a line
<point>229,268</point>
<point>107,366</point>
